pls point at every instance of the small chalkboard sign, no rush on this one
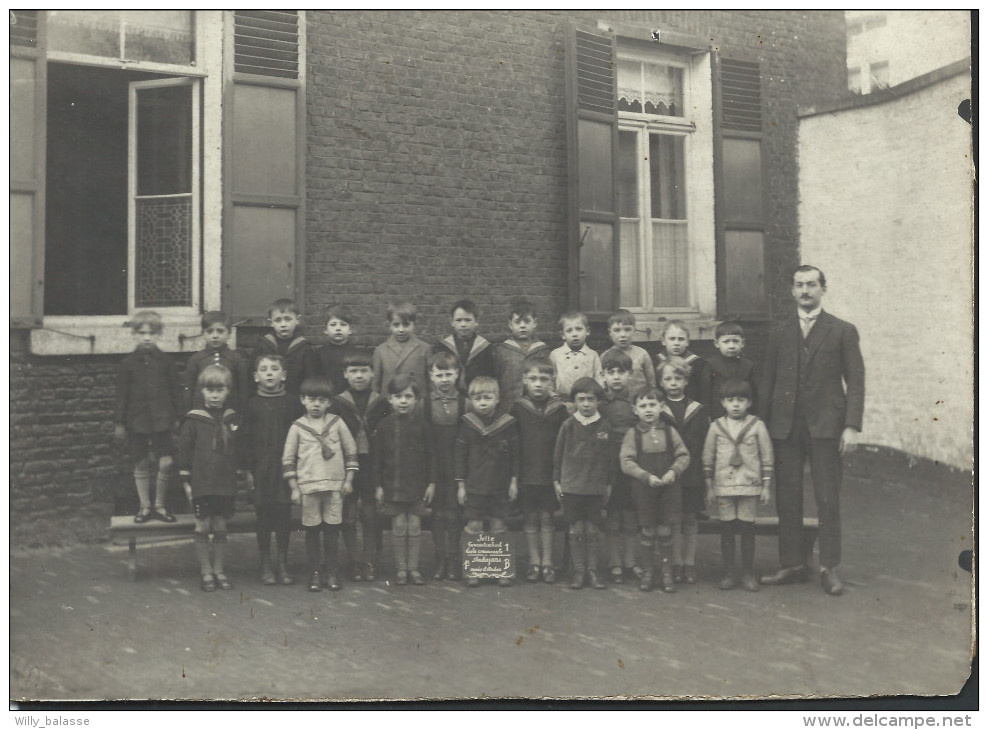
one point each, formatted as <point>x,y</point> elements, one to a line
<point>487,555</point>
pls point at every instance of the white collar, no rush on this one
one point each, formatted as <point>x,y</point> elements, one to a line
<point>584,420</point>
<point>809,315</point>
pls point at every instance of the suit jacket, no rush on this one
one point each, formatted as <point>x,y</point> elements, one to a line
<point>148,394</point>
<point>832,397</point>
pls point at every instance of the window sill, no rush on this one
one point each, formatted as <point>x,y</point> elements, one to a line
<point>111,335</point>
<point>648,325</point>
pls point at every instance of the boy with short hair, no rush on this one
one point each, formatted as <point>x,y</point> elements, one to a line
<point>582,473</point>
<point>621,522</point>
<point>474,353</point>
<point>329,358</point>
<point>267,418</point>
<point>738,465</point>
<point>540,414</point>
<point>319,461</point>
<point>676,343</point>
<point>574,359</point>
<point>362,410</point>
<point>444,407</point>
<point>486,464</point>
<point>621,329</point>
<point>283,314</point>
<point>148,406</point>
<point>728,363</point>
<point>691,419</point>
<point>510,355</point>
<point>654,455</point>
<point>402,352</point>
<point>216,332</point>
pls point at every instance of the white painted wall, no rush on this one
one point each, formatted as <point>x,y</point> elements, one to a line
<point>885,210</point>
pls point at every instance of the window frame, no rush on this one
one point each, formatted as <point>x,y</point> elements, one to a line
<point>108,334</point>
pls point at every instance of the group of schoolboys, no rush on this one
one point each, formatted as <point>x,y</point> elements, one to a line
<point>460,429</point>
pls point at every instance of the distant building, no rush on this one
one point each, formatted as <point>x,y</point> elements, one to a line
<point>888,47</point>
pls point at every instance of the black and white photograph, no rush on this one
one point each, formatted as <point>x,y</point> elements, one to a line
<point>491,355</point>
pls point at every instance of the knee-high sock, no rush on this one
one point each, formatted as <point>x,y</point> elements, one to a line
<point>547,536</point>
<point>689,539</point>
<point>331,546</point>
<point>532,542</point>
<point>747,530</point>
<point>201,540</point>
<point>312,533</point>
<point>142,480</point>
<point>727,545</point>
<point>219,551</point>
<point>349,533</point>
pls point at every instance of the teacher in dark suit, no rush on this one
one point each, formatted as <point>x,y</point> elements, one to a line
<point>813,391</point>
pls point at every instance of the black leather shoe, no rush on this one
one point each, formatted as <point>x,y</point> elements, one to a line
<point>830,582</point>
<point>143,516</point>
<point>785,575</point>
<point>163,515</point>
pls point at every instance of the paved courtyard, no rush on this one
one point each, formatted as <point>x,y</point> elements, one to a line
<point>79,629</point>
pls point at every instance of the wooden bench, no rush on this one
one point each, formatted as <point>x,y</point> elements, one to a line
<point>125,527</point>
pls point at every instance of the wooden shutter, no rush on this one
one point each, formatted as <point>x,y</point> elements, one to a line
<point>264,162</point>
<point>740,182</point>
<point>28,115</point>
<point>592,131</point>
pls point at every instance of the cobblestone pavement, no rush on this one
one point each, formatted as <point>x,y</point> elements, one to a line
<point>79,629</point>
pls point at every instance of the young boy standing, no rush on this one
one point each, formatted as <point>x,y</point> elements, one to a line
<point>295,349</point>
<point>474,353</point>
<point>655,456</point>
<point>690,419</point>
<point>319,461</point>
<point>362,410</point>
<point>402,352</point>
<point>403,477</point>
<point>621,523</point>
<point>582,473</point>
<point>444,407</point>
<point>574,360</point>
<point>148,406</point>
<point>486,464</point>
<point>621,329</point>
<point>209,463</point>
<point>676,343</point>
<point>540,415</point>
<point>510,355</point>
<point>728,363</point>
<point>329,359</point>
<point>267,417</point>
<point>738,468</point>
<point>216,351</point>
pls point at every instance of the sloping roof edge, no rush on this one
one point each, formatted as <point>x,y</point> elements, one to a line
<point>883,96</point>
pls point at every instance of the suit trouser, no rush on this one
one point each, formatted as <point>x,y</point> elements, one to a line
<point>826,469</point>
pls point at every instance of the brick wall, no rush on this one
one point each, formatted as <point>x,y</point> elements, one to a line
<point>437,151</point>
<point>886,212</point>
<point>436,169</point>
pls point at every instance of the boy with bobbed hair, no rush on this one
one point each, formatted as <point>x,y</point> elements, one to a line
<point>486,463</point>
<point>540,414</point>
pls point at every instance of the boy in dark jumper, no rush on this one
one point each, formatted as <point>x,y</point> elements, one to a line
<point>329,359</point>
<point>510,355</point>
<point>473,352</point>
<point>444,407</point>
<point>216,333</point>
<point>297,351</point>
<point>148,405</point>
<point>539,414</point>
<point>362,410</point>
<point>267,417</point>
<point>621,522</point>
<point>486,464</point>
<point>676,343</point>
<point>728,363</point>
<point>582,473</point>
